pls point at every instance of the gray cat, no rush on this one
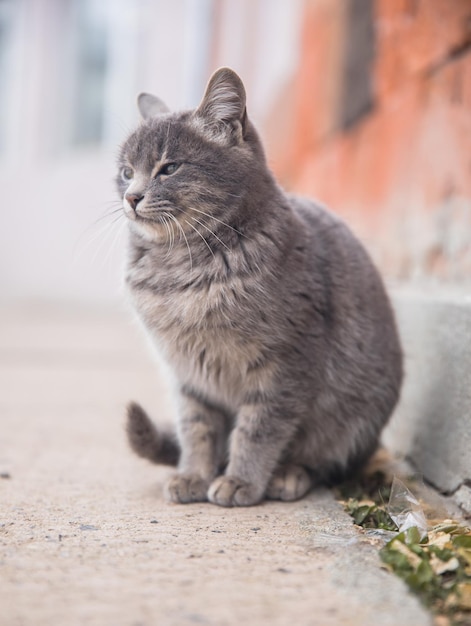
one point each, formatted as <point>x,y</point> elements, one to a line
<point>268,310</point>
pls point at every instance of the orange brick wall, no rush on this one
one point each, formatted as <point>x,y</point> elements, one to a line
<point>401,173</point>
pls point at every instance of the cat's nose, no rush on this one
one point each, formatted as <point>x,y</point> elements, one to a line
<point>133,199</point>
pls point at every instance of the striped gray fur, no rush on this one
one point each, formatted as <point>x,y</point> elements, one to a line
<point>267,309</point>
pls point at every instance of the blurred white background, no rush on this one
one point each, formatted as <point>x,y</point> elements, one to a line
<point>70,71</point>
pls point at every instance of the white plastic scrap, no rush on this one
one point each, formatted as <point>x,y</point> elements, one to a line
<point>405,510</point>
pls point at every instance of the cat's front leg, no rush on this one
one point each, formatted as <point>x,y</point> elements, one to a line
<point>202,436</point>
<point>257,443</point>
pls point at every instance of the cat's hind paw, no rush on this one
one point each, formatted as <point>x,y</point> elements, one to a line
<point>186,488</point>
<point>289,482</point>
<point>231,491</point>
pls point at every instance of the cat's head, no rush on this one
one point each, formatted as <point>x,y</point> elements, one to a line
<point>177,167</point>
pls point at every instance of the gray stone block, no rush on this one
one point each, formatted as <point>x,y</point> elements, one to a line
<point>432,424</point>
<point>463,499</point>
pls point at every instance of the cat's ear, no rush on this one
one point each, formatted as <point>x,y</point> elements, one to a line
<point>224,99</point>
<point>150,106</point>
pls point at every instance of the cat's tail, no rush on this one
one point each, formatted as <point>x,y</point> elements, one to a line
<point>148,442</point>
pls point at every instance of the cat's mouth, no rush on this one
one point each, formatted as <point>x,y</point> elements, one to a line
<point>151,217</point>
<point>155,221</point>
<point>143,213</point>
<point>137,208</point>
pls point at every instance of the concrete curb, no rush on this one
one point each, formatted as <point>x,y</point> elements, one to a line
<point>432,425</point>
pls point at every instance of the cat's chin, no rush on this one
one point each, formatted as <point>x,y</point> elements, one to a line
<point>151,231</point>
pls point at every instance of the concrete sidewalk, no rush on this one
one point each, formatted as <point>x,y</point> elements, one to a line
<point>86,537</point>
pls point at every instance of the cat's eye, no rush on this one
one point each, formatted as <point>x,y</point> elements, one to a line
<point>127,173</point>
<point>168,169</point>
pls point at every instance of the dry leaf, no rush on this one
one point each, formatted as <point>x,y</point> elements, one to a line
<point>439,539</point>
<point>440,567</point>
<point>413,559</point>
<point>464,598</point>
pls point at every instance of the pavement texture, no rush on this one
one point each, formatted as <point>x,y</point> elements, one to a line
<point>87,538</point>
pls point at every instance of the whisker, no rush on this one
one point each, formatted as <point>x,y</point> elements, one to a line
<point>198,232</point>
<point>106,215</point>
<point>218,220</point>
<point>173,230</point>
<point>162,220</point>
<point>112,202</point>
<point>171,234</point>
<point>114,230</point>
<point>118,233</point>
<point>212,233</point>
<point>80,247</point>
<point>186,240</point>
<point>118,209</point>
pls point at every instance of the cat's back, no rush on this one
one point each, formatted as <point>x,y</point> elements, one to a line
<point>326,230</point>
<point>361,319</point>
<point>336,253</point>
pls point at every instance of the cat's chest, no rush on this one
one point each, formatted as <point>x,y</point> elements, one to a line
<point>208,332</point>
<point>219,364</point>
<point>213,356</point>
<point>184,303</point>
<point>169,292</point>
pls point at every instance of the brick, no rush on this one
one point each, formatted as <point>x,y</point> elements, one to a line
<point>417,36</point>
<point>401,176</point>
<point>317,85</point>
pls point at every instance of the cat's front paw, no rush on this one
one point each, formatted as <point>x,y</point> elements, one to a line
<point>231,491</point>
<point>289,482</point>
<point>186,488</point>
